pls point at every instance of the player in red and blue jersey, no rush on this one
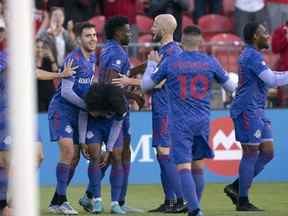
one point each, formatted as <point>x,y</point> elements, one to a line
<point>114,60</point>
<point>252,128</point>
<point>189,79</point>
<point>107,106</point>
<point>64,112</point>
<point>163,28</point>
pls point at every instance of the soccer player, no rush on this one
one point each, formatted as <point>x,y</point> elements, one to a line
<point>163,28</point>
<point>189,79</point>
<point>114,60</point>
<point>107,106</point>
<point>64,113</point>
<point>252,128</point>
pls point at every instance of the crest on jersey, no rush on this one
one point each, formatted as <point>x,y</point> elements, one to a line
<point>257,134</point>
<point>89,135</point>
<point>227,150</point>
<point>68,129</point>
<point>7,140</point>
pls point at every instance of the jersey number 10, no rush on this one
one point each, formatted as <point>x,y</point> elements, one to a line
<point>198,85</point>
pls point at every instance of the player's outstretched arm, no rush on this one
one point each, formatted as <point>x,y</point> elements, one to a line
<point>68,71</point>
<point>274,78</point>
<point>125,81</point>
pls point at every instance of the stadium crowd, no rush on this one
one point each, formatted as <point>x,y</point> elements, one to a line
<point>92,102</point>
<point>221,22</point>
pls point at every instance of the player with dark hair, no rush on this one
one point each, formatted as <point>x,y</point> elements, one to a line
<point>106,104</point>
<point>252,128</point>
<point>113,62</point>
<point>65,112</point>
<point>163,28</point>
<point>189,79</point>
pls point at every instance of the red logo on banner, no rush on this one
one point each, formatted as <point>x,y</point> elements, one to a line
<point>227,150</point>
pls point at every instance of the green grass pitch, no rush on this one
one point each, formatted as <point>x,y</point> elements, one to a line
<point>272,197</point>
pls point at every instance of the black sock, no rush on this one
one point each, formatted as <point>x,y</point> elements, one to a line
<point>89,194</point>
<point>235,184</point>
<point>121,202</point>
<point>54,199</point>
<point>3,204</point>
<point>243,200</point>
<point>61,199</point>
<point>180,201</point>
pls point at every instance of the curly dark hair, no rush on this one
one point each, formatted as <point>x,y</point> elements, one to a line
<point>113,24</point>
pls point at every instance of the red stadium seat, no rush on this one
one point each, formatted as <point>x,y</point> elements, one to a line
<point>99,22</point>
<point>186,21</point>
<point>226,48</point>
<point>228,7</point>
<point>144,24</point>
<point>214,24</point>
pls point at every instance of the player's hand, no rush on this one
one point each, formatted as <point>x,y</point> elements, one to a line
<point>154,56</point>
<point>122,81</point>
<point>84,151</point>
<point>104,159</point>
<point>69,70</point>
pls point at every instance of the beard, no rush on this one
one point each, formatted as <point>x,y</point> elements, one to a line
<point>157,37</point>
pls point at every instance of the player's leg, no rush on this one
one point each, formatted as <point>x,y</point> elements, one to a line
<point>62,130</point>
<point>198,176</point>
<point>201,151</point>
<point>126,160</point>
<point>182,153</point>
<point>91,201</point>
<point>117,176</point>
<point>169,177</point>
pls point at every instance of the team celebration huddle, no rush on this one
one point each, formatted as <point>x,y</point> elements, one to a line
<point>89,116</point>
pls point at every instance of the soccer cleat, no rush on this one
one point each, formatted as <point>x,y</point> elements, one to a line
<point>247,207</point>
<point>67,209</point>
<point>161,208</point>
<point>180,208</point>
<point>196,213</point>
<point>54,209</point>
<point>232,193</point>
<point>87,204</point>
<point>116,209</point>
<point>98,206</point>
<point>129,209</point>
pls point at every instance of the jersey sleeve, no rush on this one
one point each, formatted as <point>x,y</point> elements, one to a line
<point>3,62</point>
<point>116,63</point>
<point>161,71</point>
<point>257,64</point>
<point>220,74</point>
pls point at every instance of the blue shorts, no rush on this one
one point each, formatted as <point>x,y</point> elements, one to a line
<point>98,130</point>
<point>190,143</point>
<point>160,136</point>
<point>63,123</point>
<point>252,128</point>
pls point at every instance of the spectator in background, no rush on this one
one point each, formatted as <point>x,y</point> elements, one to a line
<point>203,7</point>
<point>44,60</point>
<point>280,46</point>
<point>249,11</point>
<point>59,40</point>
<point>174,7</point>
<point>278,12</point>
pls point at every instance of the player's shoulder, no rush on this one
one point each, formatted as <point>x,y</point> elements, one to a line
<point>251,54</point>
<point>74,54</point>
